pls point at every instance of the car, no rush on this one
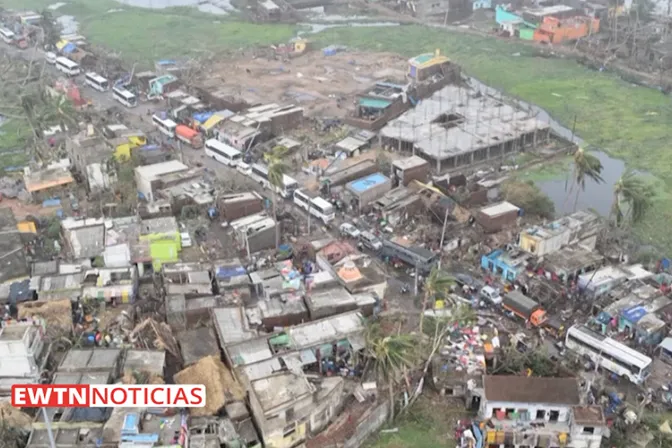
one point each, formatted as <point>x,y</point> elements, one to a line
<point>347,229</point>
<point>370,241</point>
<point>243,168</point>
<point>50,57</point>
<point>491,295</point>
<point>472,283</point>
<point>186,239</point>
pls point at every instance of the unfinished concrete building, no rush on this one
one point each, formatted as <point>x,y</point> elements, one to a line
<point>457,127</point>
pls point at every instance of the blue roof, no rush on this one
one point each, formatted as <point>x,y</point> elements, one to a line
<point>69,48</point>
<point>374,103</point>
<point>635,313</point>
<point>365,183</point>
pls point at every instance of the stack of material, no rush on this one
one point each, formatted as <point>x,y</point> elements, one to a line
<point>220,385</point>
<point>14,417</point>
<point>57,315</point>
<point>150,334</point>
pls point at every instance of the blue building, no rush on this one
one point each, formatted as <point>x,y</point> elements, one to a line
<point>505,264</point>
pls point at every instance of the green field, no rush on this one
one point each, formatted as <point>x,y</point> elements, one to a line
<point>627,121</point>
<point>429,424</point>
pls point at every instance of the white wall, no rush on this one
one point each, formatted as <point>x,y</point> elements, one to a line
<point>488,407</point>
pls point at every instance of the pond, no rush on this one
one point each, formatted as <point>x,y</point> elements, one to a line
<point>596,196</point>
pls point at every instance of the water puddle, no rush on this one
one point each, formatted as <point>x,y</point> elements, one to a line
<point>55,6</point>
<point>318,13</point>
<point>215,7</point>
<point>69,24</point>
<point>314,28</point>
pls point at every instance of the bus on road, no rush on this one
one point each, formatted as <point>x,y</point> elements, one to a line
<point>125,97</point>
<point>96,81</point>
<point>314,205</point>
<point>609,354</point>
<point>222,152</point>
<point>259,173</point>
<point>67,66</point>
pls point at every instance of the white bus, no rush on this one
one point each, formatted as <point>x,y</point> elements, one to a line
<point>67,66</point>
<point>222,152</point>
<point>124,97</point>
<point>165,125</point>
<point>314,205</point>
<point>7,36</point>
<point>96,81</point>
<point>260,174</point>
<point>609,354</point>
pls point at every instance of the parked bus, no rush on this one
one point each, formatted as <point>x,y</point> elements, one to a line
<point>260,174</point>
<point>609,354</point>
<point>7,36</point>
<point>124,97</point>
<point>96,81</point>
<point>67,66</point>
<point>189,136</point>
<point>222,152</point>
<point>165,125</point>
<point>314,205</point>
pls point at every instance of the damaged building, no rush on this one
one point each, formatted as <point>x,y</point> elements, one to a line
<point>458,127</point>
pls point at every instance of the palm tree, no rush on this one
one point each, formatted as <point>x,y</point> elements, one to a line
<point>586,166</point>
<point>633,197</point>
<point>390,356</point>
<point>436,284</point>
<point>276,171</point>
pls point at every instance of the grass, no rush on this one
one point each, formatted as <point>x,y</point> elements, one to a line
<point>429,424</point>
<point>627,121</point>
<point>13,138</point>
<point>146,35</point>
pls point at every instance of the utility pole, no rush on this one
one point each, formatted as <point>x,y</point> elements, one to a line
<point>443,234</point>
<point>47,423</point>
<point>310,206</point>
<point>415,287</point>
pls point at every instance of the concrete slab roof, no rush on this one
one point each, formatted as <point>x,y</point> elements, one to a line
<point>477,121</point>
<point>89,360</point>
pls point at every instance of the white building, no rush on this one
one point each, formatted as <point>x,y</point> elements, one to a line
<point>532,411</point>
<point>146,175</point>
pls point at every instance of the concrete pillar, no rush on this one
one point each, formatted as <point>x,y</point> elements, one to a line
<point>438,166</point>
<point>471,156</point>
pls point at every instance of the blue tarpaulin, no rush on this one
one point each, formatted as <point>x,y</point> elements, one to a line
<point>634,314</point>
<point>69,48</point>
<point>53,202</point>
<point>149,147</point>
<point>166,62</point>
<point>202,117</point>
<point>230,271</point>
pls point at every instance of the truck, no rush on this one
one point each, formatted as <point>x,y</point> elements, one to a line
<point>189,136</point>
<point>524,307</point>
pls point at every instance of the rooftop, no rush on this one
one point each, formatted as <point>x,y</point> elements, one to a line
<point>152,172</point>
<point>86,237</point>
<point>571,222</point>
<point>409,162</point>
<point>232,325</point>
<point>571,259</point>
<point>196,344</point>
<point>456,121</point>
<point>523,389</point>
<point>368,182</point>
<point>166,224</point>
<point>588,415</point>
<point>47,178</point>
<point>499,209</point>
<point>90,360</point>
<point>280,389</point>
